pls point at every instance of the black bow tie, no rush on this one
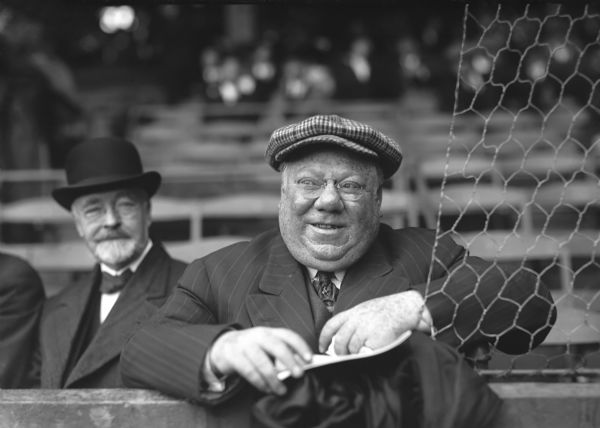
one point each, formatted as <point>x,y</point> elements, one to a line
<point>113,284</point>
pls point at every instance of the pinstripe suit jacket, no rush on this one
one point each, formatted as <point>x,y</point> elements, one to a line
<point>259,283</point>
<point>98,366</point>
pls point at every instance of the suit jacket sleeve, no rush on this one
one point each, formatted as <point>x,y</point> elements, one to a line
<point>167,353</point>
<point>21,298</point>
<point>472,300</point>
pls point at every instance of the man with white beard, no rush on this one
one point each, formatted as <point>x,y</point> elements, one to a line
<point>84,327</point>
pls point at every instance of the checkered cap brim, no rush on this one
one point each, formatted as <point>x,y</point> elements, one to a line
<point>332,129</point>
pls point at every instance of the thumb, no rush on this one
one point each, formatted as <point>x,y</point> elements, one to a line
<point>329,330</point>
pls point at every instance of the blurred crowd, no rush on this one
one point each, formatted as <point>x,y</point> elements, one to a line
<point>530,59</point>
<point>307,62</point>
<point>513,58</point>
<point>516,59</point>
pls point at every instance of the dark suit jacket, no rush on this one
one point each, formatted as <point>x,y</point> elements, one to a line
<point>21,298</point>
<point>260,284</point>
<point>98,366</point>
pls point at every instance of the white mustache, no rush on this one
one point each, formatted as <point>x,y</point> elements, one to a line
<point>112,237</point>
<point>115,251</point>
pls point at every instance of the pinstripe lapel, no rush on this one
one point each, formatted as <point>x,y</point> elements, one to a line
<point>372,276</point>
<point>282,300</point>
<point>148,282</point>
<point>61,328</point>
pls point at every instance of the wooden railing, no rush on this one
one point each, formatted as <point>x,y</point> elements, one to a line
<point>527,405</point>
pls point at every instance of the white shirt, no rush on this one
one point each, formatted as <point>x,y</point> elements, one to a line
<point>107,301</point>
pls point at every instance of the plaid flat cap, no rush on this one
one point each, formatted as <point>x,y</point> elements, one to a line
<point>332,129</point>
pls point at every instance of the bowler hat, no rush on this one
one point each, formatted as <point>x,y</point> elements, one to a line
<point>103,164</point>
<point>333,129</point>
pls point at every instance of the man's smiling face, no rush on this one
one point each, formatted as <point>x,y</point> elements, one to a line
<point>330,207</point>
<point>114,224</point>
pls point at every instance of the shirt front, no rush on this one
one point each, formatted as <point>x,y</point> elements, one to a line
<point>107,301</point>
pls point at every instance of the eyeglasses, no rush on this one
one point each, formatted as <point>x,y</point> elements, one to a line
<point>348,190</point>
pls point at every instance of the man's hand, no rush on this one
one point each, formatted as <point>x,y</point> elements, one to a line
<point>374,323</point>
<point>252,353</point>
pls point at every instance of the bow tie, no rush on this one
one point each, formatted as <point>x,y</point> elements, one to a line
<point>113,284</point>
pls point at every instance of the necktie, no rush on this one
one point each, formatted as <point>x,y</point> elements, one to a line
<point>113,284</point>
<point>325,288</point>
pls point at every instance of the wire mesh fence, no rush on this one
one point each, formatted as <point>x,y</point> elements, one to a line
<point>527,92</point>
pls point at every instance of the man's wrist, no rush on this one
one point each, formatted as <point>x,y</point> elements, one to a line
<point>212,378</point>
<point>211,365</point>
<point>425,323</point>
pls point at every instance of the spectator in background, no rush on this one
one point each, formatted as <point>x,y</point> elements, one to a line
<point>264,71</point>
<point>294,82</point>
<point>41,117</point>
<point>303,79</point>
<point>414,68</point>
<point>84,327</point>
<point>177,51</point>
<point>21,298</point>
<point>210,59</point>
<point>230,76</point>
<point>352,71</point>
<point>368,70</point>
<point>233,85</point>
<point>387,76</point>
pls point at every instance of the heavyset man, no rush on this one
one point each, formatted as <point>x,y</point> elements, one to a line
<point>331,275</point>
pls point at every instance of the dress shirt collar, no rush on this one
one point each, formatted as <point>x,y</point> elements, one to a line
<point>337,281</point>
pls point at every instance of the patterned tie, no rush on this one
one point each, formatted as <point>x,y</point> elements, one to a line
<point>325,288</point>
<point>113,284</point>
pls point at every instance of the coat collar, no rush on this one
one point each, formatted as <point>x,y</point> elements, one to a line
<point>282,299</point>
